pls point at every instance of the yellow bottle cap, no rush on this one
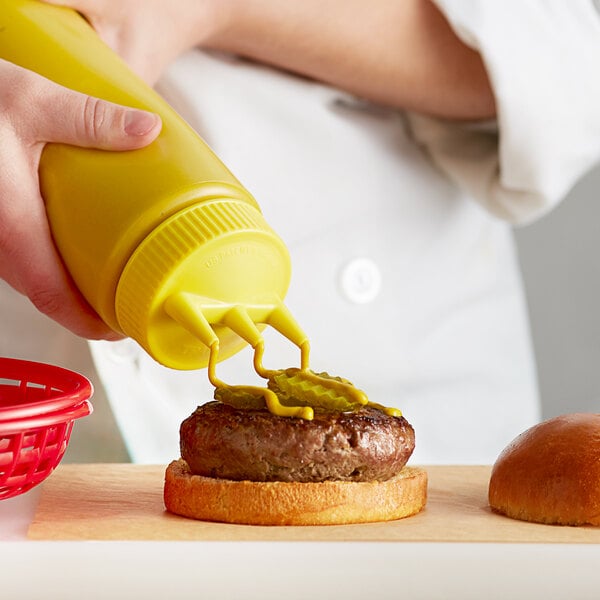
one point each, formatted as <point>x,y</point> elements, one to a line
<point>216,251</point>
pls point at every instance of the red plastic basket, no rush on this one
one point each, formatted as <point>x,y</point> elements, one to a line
<point>38,406</point>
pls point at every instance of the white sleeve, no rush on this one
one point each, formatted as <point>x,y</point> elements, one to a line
<point>543,60</point>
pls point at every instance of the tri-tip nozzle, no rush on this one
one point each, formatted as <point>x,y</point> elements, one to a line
<point>199,315</point>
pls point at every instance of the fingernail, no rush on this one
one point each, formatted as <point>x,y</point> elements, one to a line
<point>138,123</point>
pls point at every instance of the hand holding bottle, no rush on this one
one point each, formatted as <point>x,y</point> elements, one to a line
<point>33,112</point>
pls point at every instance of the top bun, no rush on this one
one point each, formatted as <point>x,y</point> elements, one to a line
<point>551,473</point>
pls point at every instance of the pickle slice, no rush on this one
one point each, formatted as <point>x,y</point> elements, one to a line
<point>251,397</point>
<point>241,396</point>
<point>319,390</point>
<point>296,392</point>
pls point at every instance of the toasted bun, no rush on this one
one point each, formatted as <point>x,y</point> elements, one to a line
<point>283,503</point>
<point>551,473</point>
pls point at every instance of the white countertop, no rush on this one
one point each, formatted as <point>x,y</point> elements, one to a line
<point>374,570</point>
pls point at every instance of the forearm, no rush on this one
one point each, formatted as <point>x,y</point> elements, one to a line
<point>397,52</point>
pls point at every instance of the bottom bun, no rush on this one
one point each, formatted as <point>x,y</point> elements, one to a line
<point>551,473</point>
<point>285,503</point>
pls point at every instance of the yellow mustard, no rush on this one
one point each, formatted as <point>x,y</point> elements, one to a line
<point>292,386</point>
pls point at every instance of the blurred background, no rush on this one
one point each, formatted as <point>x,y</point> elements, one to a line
<point>560,258</point>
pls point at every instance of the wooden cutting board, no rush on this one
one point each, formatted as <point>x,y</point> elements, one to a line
<point>124,502</point>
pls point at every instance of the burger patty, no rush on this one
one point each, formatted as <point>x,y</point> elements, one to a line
<point>221,441</point>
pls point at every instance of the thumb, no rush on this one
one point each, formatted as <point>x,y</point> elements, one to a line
<point>70,117</point>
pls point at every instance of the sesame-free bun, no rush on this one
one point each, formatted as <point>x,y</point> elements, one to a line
<point>551,473</point>
<point>293,503</point>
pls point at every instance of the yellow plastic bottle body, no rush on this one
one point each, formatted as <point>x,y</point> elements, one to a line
<point>104,206</point>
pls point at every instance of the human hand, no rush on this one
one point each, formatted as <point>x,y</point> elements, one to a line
<point>147,34</point>
<point>35,111</point>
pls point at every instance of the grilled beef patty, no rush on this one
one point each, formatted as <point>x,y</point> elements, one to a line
<point>220,441</point>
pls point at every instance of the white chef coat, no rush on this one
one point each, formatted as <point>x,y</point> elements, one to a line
<point>404,269</point>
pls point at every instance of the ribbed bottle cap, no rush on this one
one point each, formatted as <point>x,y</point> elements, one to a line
<point>220,249</point>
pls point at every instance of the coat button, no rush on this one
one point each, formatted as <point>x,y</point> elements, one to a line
<point>360,280</point>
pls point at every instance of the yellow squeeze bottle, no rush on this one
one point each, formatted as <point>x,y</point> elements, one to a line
<point>164,242</point>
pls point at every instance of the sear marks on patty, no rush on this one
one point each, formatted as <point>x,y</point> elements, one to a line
<point>221,441</point>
